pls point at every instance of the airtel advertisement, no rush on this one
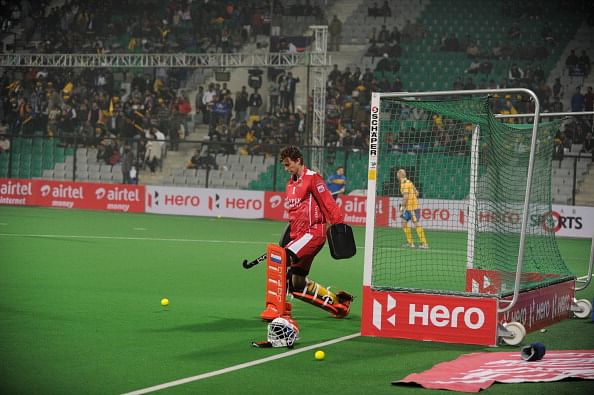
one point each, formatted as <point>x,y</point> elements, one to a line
<point>427,317</point>
<point>204,202</point>
<point>354,207</point>
<point>65,194</point>
<point>16,192</point>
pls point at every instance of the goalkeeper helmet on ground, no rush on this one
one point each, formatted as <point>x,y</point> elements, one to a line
<point>282,332</point>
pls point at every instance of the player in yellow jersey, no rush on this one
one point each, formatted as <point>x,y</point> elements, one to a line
<point>410,211</point>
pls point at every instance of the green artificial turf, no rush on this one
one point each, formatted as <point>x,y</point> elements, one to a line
<point>80,311</point>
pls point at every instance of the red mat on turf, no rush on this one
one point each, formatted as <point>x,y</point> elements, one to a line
<point>474,372</point>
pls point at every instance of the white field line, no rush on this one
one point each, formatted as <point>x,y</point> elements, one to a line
<point>98,237</point>
<point>127,238</point>
<point>240,366</point>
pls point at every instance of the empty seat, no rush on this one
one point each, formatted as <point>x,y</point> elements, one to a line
<point>245,159</point>
<point>193,181</point>
<point>59,174</point>
<point>189,172</point>
<point>177,172</point>
<point>243,183</point>
<point>179,180</point>
<point>227,175</point>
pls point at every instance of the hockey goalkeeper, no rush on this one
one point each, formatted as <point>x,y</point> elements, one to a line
<point>310,206</point>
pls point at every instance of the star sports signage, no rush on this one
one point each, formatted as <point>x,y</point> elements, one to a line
<point>204,202</point>
<point>450,319</point>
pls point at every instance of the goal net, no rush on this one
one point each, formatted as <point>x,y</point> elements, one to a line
<point>469,171</point>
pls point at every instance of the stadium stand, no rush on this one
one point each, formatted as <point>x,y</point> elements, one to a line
<point>122,105</point>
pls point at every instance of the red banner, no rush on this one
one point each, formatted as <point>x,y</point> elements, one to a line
<point>417,316</point>
<point>541,307</point>
<point>354,207</point>
<point>65,194</point>
<point>477,371</point>
<point>483,281</point>
<point>16,192</point>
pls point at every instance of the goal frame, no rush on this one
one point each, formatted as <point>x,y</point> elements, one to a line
<point>450,317</point>
<point>374,136</point>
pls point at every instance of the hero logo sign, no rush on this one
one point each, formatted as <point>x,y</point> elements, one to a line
<point>214,203</point>
<point>440,316</point>
<point>153,199</point>
<point>233,203</point>
<point>425,315</point>
<point>418,316</point>
<point>373,131</point>
<point>553,221</point>
<point>378,311</point>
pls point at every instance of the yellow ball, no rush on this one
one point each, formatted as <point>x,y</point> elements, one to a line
<point>164,302</point>
<point>319,355</point>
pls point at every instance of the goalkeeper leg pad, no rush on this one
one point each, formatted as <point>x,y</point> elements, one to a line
<point>318,302</point>
<point>336,304</point>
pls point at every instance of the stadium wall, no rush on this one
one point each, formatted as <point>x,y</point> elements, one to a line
<point>565,221</point>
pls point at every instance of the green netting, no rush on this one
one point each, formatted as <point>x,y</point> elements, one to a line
<point>432,141</point>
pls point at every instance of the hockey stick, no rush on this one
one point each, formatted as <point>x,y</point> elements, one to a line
<point>249,265</point>
<point>285,239</point>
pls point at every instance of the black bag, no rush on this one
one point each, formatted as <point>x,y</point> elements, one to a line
<point>341,241</point>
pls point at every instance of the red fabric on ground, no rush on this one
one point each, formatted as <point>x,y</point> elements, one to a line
<point>473,372</point>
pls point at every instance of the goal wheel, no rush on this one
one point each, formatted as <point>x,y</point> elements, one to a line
<point>515,335</point>
<point>583,308</point>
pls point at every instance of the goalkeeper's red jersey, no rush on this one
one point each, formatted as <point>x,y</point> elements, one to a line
<point>311,205</point>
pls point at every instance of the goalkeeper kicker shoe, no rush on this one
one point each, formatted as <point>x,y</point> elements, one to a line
<point>406,245</point>
<point>343,306</point>
<point>424,246</point>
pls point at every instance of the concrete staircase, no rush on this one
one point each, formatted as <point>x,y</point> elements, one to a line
<point>176,159</point>
<point>585,194</point>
